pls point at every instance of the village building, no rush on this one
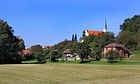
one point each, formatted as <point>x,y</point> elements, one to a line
<point>26,51</point>
<point>87,32</point>
<point>70,56</point>
<point>123,51</point>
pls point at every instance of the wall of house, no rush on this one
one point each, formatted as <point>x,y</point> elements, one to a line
<point>105,51</point>
<point>121,52</point>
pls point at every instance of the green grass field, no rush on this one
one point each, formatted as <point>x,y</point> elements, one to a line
<point>69,74</point>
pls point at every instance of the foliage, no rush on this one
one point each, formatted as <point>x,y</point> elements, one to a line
<point>47,51</point>
<point>83,50</point>
<point>74,38</point>
<point>54,55</point>
<point>97,43</point>
<point>36,49</point>
<point>10,45</point>
<point>29,56</point>
<point>83,35</point>
<point>130,34</point>
<point>127,39</point>
<point>112,56</point>
<point>40,57</point>
<point>66,44</point>
<point>89,39</point>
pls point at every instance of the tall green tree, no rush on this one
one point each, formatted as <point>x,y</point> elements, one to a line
<point>127,39</point>
<point>83,50</point>
<point>37,49</point>
<point>130,34</point>
<point>75,39</point>
<point>10,45</point>
<point>83,34</point>
<point>72,38</point>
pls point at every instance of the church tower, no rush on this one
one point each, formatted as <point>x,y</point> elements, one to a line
<point>105,29</point>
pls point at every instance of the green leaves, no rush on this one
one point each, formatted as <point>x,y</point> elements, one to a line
<point>10,45</point>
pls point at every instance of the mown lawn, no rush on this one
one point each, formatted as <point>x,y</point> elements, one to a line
<point>69,74</point>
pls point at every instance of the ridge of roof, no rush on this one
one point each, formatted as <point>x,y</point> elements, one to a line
<point>116,45</point>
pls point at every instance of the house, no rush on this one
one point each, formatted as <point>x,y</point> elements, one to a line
<point>70,56</point>
<point>26,51</point>
<point>123,51</point>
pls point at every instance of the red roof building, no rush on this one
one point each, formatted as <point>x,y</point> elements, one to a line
<point>95,32</point>
<point>25,52</point>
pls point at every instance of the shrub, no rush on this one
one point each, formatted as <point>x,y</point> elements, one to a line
<point>113,56</point>
<point>40,57</point>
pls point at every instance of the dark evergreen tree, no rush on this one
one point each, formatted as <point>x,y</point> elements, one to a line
<point>73,38</point>
<point>10,45</point>
<point>83,35</point>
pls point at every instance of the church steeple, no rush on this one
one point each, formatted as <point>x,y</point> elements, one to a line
<point>105,29</point>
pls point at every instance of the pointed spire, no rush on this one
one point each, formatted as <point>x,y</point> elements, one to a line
<point>105,29</point>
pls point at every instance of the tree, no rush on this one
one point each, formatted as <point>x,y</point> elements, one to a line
<point>89,39</point>
<point>10,45</point>
<point>83,50</point>
<point>131,24</point>
<point>127,39</point>
<point>83,35</point>
<point>72,38</point>
<point>130,34</point>
<point>40,57</point>
<point>66,44</point>
<point>75,39</point>
<point>36,49</point>
<point>112,56</point>
<point>54,55</point>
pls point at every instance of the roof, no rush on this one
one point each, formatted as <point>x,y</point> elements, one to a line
<point>95,32</point>
<point>25,52</point>
<point>67,51</point>
<point>116,46</point>
<point>48,46</point>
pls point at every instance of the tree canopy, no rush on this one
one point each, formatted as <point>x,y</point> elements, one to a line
<point>130,34</point>
<point>10,45</point>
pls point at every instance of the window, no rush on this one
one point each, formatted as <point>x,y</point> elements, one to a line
<point>118,49</point>
<point>106,49</point>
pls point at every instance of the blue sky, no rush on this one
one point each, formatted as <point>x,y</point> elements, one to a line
<point>48,22</point>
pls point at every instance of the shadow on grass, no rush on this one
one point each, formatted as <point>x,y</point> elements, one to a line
<point>85,62</point>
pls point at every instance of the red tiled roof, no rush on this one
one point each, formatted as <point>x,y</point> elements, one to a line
<point>48,46</point>
<point>95,32</point>
<point>25,52</point>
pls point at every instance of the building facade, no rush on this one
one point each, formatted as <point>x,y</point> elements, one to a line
<point>123,51</point>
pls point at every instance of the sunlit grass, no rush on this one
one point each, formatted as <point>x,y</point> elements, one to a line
<point>69,74</point>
